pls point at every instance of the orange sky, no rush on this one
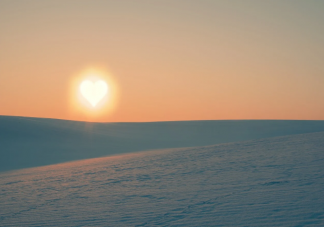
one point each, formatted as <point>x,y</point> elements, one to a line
<point>169,60</point>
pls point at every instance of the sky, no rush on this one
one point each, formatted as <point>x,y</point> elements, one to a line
<point>164,60</point>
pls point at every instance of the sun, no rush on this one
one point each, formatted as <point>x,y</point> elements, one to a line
<point>93,93</point>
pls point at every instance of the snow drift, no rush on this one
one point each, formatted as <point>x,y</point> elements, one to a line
<point>266,182</point>
<point>29,142</point>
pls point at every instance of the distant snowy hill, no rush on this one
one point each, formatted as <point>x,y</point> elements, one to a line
<point>267,182</point>
<point>29,142</point>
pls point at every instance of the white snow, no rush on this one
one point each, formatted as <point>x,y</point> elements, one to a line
<point>30,142</point>
<point>267,182</point>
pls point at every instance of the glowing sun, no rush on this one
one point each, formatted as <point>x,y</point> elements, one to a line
<point>93,92</point>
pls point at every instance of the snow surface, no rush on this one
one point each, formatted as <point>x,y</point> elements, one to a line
<point>266,182</point>
<point>30,142</point>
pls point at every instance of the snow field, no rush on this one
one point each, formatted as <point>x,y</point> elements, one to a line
<point>266,182</point>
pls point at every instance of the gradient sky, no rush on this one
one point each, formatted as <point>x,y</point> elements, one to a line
<point>170,59</point>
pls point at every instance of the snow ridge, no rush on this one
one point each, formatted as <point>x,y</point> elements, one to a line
<point>30,142</point>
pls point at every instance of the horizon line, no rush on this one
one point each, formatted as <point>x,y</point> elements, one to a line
<point>61,119</point>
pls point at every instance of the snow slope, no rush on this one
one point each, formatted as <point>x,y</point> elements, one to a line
<point>266,182</point>
<point>29,142</point>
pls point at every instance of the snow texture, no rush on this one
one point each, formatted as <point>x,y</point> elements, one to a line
<point>266,182</point>
<point>30,142</point>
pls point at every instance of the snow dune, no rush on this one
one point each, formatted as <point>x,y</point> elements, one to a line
<point>30,142</point>
<point>266,182</point>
